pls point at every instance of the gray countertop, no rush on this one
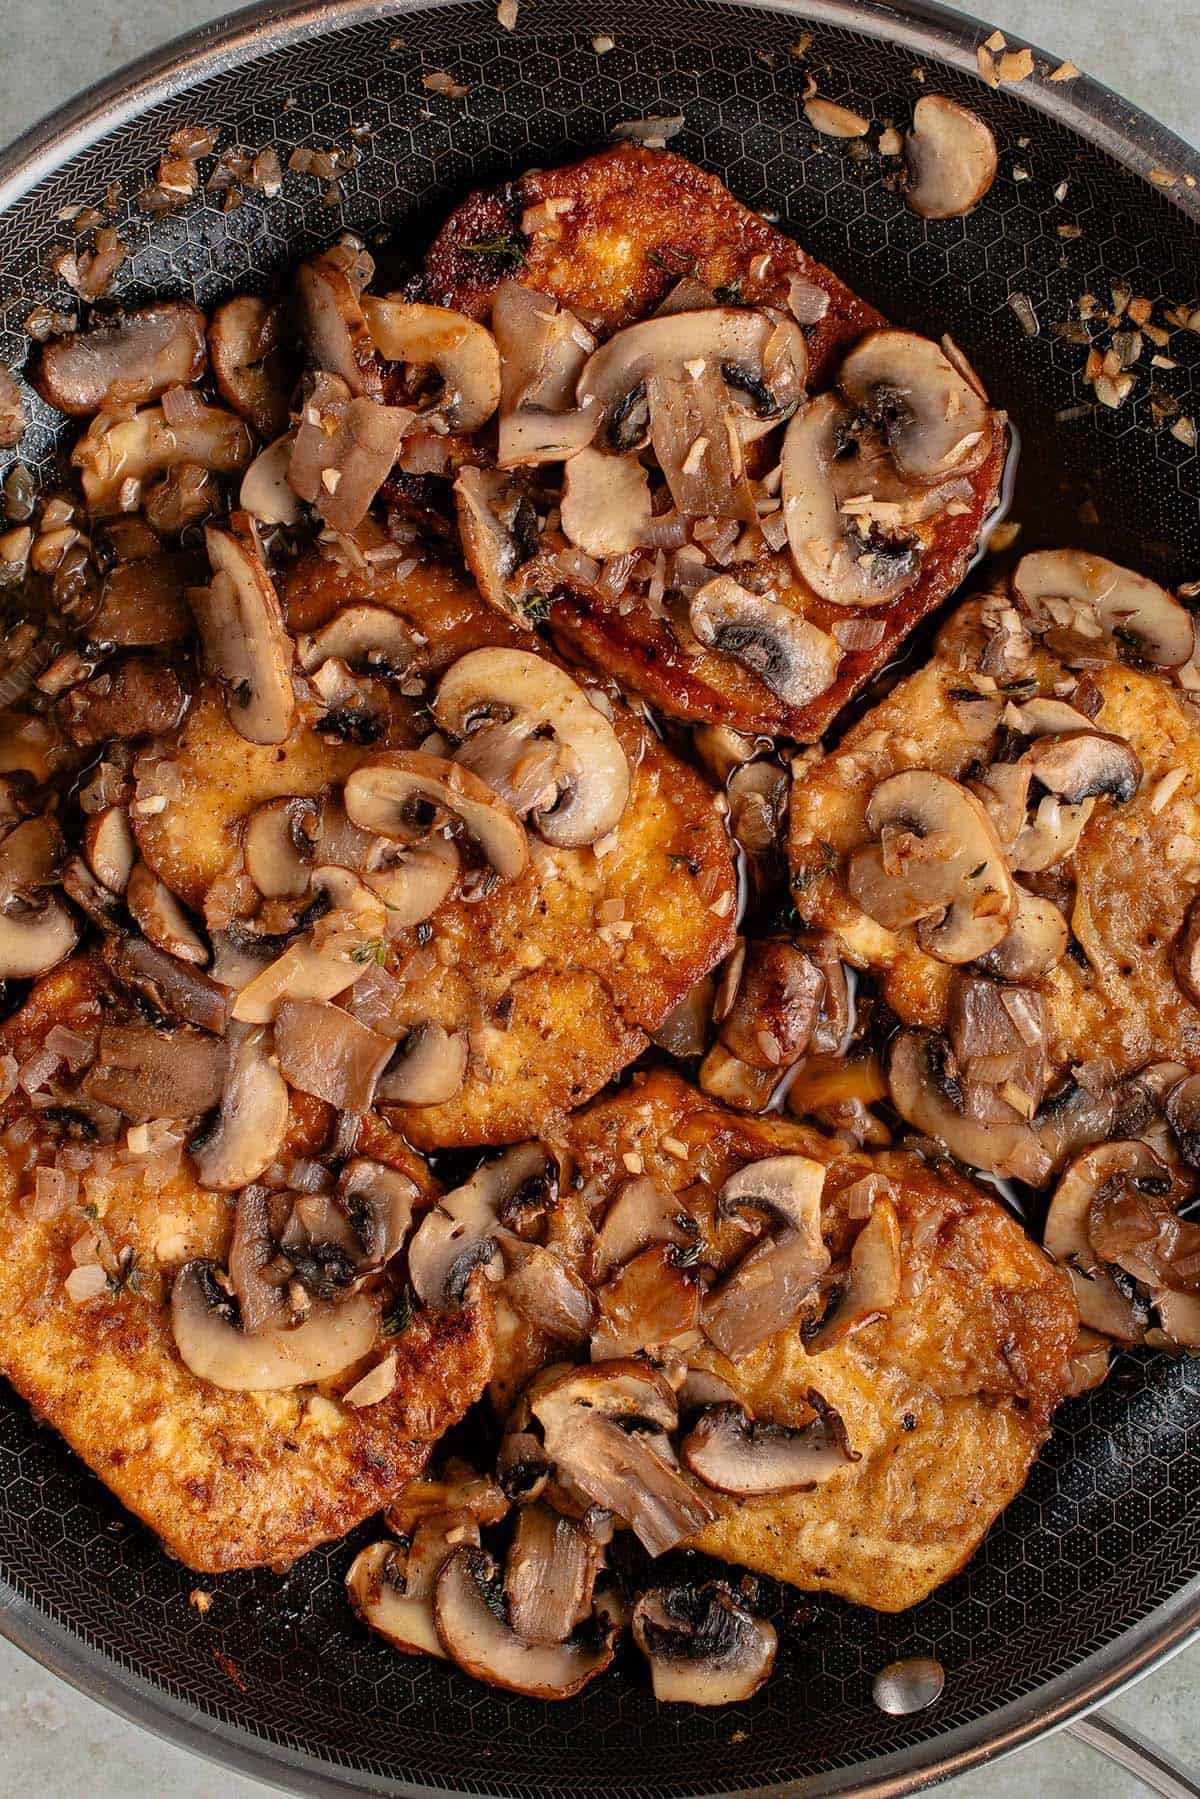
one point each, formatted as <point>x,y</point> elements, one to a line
<point>48,1734</point>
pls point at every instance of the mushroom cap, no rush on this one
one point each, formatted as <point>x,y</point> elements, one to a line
<point>1035,942</point>
<point>951,159</point>
<point>243,345</point>
<point>428,1068</point>
<point>394,795</point>
<point>1080,765</point>
<point>116,451</point>
<point>460,1234</point>
<point>486,1646</point>
<point>703,1647</point>
<point>605,504</point>
<point>935,422</point>
<point>130,359</point>
<point>1078,598</point>
<point>462,351</point>
<point>734,1454</point>
<point>333,327</point>
<point>1067,1234</point>
<point>333,1336</point>
<point>873,1286</point>
<point>928,1097</point>
<point>253,1115</point>
<point>266,493</point>
<point>35,939</point>
<point>789,654</point>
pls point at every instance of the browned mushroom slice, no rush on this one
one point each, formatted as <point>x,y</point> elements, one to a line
<point>427,1069</point>
<point>133,697</point>
<point>605,504</point>
<point>928,1094</point>
<point>343,450</point>
<point>403,793</point>
<point>35,937</point>
<point>684,1031</point>
<point>1179,1317</point>
<point>175,989</point>
<point>543,348</point>
<point>318,967</point>
<point>14,422</point>
<point>278,847</point>
<point>335,332</point>
<point>243,342</point>
<point>931,416</point>
<point>378,1201</point>
<point>391,1586</point>
<point>1090,609</point>
<point>775,1006</point>
<point>1182,1111</point>
<point>939,864</point>
<point>790,655</point>
<point>545,1291</point>
<point>498,528</point>
<point>457,348</point>
<point>642,1213</point>
<point>257,1273</point>
<point>1108,1299</point>
<point>605,1430</point>
<point>1090,1361</point>
<point>485,1645</point>
<point>123,361</point>
<point>489,688</point>
<point>109,847</point>
<point>266,492</point>
<point>873,1287</point>
<point>322,1050</point>
<point>734,1454</point>
<point>951,159</point>
<point>703,1647</point>
<point>1081,765</point>
<point>117,456</point>
<point>253,1116</point>
<point>142,604</point>
<point>460,1234</point>
<point>155,909</point>
<point>549,1575</point>
<point>244,639</point>
<point>456,1489</point>
<point>147,1074</point>
<point>697,446</point>
<point>766,1290</point>
<point>726,1077</point>
<point>369,639</point>
<point>652,1299</point>
<point>1186,954</point>
<point>1035,942</point>
<point>331,1338</point>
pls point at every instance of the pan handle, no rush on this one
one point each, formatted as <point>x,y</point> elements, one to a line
<point>1151,1765</point>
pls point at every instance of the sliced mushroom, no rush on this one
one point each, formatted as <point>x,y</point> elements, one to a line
<point>334,955</point>
<point>1035,942</point>
<point>461,351</point>
<point>1179,1317</point>
<point>605,503</point>
<point>698,444</point>
<point>243,342</point>
<point>332,1337</point>
<point>928,1095</point>
<point>498,528</point>
<point>734,1454</point>
<point>793,657</point>
<point>244,639</point>
<point>147,1074</point>
<point>1089,1362</point>
<point>117,456</point>
<point>427,1069</point>
<point>35,938</point>
<point>277,849</point>
<point>933,420</point>
<point>391,1587</point>
<point>653,1299</point>
<point>1183,1115</point>
<point>951,159</point>
<point>253,1116</point>
<point>768,1287</point>
<point>324,1051</point>
<point>939,865</point>
<point>403,793</point>
<point>642,1213</point>
<point>344,449</point>
<point>762,360</point>
<point>485,1644</point>
<point>604,1428</point>
<point>774,1012</point>
<point>1089,607</point>
<point>491,686</point>
<point>460,1234</point>
<point>161,918</point>
<point>175,989</point>
<point>703,1647</point>
<point>266,493</point>
<point>543,348</point>
<point>110,849</point>
<point>369,639</point>
<point>257,1273</point>
<point>335,332</point>
<point>873,1286</point>
<point>1106,1303</point>
<point>123,361</point>
<point>1050,836</point>
<point>548,1576</point>
<point>726,1077</point>
<point>378,1201</point>
<point>684,1031</point>
<point>1080,765</point>
<point>412,883</point>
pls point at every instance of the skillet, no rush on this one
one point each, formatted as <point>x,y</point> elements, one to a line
<point>1094,1572</point>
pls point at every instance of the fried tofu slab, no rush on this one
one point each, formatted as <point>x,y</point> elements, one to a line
<point>226,1479</point>
<point>559,975</point>
<point>945,1401</point>
<point>1125,888</point>
<point>608,238</point>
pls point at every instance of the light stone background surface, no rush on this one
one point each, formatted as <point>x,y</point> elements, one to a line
<point>55,1744</point>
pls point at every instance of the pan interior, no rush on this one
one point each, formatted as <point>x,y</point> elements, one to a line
<point>1108,1528</point>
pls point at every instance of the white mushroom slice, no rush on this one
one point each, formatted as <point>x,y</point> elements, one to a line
<point>927,1094</point>
<point>460,1234</point>
<point>243,343</point>
<point>873,1287</point>
<point>462,352</point>
<point>653,1300</point>
<point>605,503</point>
<point>790,655</point>
<point>540,1286</point>
<point>493,685</point>
<point>369,639</point>
<point>266,493</point>
<point>428,1068</point>
<point>253,1116</point>
<point>1178,1316</point>
<point>1104,1305</point>
<point>731,1453</point>
<point>762,360</point>
<point>939,864</point>
<point>934,421</point>
<point>642,1213</point>
<point>1050,836</point>
<point>413,883</point>
<point>697,446</point>
<point>702,1646</point>
<point>244,639</point>
<point>543,348</point>
<point>343,450</point>
<point>1080,765</point>
<point>486,1646</point>
<point>335,333</point>
<point>1035,942</point>
<point>123,361</point>
<point>402,793</point>
<point>532,437</point>
<point>110,848</point>
<point>851,529</point>
<point>391,1588</point>
<point>161,918</point>
<point>117,456</point>
<point>549,1575</point>
<point>1079,599</point>
<point>378,1201</point>
<point>35,938</point>
<point>768,1286</point>
<point>317,968</point>
<point>277,850</point>
<point>951,159</point>
<point>604,1428</point>
<point>498,528</point>
<point>333,1336</point>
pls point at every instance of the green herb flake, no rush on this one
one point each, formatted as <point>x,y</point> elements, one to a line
<point>398,1316</point>
<point>371,949</point>
<point>674,262</point>
<point>729,293</point>
<point>128,1276</point>
<point>508,252</point>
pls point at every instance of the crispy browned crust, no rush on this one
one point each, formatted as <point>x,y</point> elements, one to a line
<point>948,1399</point>
<point>1127,872</point>
<point>227,1480</point>
<point>640,218</point>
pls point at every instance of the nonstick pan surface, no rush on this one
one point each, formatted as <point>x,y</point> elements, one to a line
<point>1094,1571</point>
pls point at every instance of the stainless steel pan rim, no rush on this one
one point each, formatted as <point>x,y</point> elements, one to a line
<point>1113,127</point>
